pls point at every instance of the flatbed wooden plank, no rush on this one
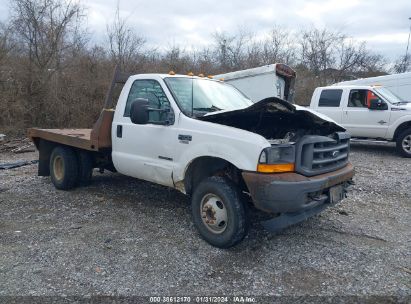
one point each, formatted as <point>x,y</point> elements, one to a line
<point>79,138</point>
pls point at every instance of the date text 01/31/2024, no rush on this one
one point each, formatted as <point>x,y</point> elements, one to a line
<point>222,299</point>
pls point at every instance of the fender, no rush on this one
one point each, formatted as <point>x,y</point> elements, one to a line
<point>394,126</point>
<point>238,147</point>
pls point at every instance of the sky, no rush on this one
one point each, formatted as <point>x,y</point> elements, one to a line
<point>383,24</point>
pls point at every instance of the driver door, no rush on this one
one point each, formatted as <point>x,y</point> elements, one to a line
<point>145,151</point>
<point>360,121</point>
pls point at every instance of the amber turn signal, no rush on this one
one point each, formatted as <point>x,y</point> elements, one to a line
<point>275,168</point>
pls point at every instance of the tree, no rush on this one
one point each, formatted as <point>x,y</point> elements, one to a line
<point>280,46</point>
<point>402,64</point>
<point>332,56</point>
<point>125,44</point>
<point>6,44</point>
<point>45,32</point>
<point>46,29</point>
<point>229,50</point>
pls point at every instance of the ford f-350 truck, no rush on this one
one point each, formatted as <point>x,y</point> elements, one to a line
<point>367,112</point>
<point>206,139</point>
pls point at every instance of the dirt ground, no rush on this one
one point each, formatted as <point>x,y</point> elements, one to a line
<point>121,236</point>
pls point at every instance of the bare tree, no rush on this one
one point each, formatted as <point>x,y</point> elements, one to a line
<point>402,64</point>
<point>6,44</point>
<point>332,56</point>
<point>317,49</point>
<point>46,29</point>
<point>280,46</point>
<point>230,50</point>
<point>125,44</point>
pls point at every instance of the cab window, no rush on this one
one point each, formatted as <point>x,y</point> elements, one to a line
<point>361,98</point>
<point>358,99</point>
<point>330,98</point>
<point>153,92</point>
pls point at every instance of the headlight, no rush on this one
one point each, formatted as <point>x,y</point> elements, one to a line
<point>277,159</point>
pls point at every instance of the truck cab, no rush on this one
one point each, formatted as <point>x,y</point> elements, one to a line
<point>367,112</point>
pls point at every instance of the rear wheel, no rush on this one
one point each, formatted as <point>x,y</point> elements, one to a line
<point>63,168</point>
<point>219,212</point>
<point>404,143</point>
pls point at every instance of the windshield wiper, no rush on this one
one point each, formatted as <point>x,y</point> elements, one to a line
<point>210,109</point>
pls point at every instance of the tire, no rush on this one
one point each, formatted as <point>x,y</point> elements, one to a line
<point>218,201</point>
<point>63,168</point>
<point>404,143</point>
<point>85,168</point>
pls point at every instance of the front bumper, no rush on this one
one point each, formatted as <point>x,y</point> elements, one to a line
<point>293,192</point>
<point>292,196</point>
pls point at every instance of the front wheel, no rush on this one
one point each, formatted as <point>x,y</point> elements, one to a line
<point>219,213</point>
<point>404,143</point>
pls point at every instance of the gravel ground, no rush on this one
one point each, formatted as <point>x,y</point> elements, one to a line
<point>121,236</point>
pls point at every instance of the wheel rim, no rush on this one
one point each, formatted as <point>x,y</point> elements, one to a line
<point>58,167</point>
<point>406,144</point>
<point>214,213</point>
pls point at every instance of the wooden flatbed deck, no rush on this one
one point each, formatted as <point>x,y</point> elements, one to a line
<point>79,138</point>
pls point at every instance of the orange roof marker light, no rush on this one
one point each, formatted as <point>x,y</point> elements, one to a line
<point>201,75</point>
<point>221,79</point>
<point>190,74</point>
<point>171,73</point>
<point>210,76</point>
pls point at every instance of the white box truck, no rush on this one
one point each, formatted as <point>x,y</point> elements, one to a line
<point>274,80</point>
<point>399,84</point>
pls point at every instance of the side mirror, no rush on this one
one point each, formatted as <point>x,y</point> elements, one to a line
<point>377,104</point>
<point>139,111</point>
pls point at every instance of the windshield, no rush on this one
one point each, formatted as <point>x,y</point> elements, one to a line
<point>390,96</point>
<point>200,96</point>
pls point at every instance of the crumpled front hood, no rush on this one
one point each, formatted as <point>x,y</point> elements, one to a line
<point>273,118</point>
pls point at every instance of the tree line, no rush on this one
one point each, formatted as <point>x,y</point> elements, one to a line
<point>53,75</point>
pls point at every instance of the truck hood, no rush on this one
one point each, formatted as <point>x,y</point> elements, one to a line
<point>403,106</point>
<point>274,118</point>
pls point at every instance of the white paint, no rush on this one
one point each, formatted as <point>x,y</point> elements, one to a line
<point>257,83</point>
<point>137,153</point>
<point>364,122</point>
<point>399,84</point>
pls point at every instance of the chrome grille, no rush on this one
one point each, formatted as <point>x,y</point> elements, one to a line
<point>321,154</point>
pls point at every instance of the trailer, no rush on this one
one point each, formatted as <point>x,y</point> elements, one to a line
<point>399,84</point>
<point>274,80</point>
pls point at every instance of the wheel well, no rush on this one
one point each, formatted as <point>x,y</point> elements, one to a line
<point>207,166</point>
<point>400,128</point>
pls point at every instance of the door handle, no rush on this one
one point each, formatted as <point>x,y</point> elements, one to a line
<point>119,131</point>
